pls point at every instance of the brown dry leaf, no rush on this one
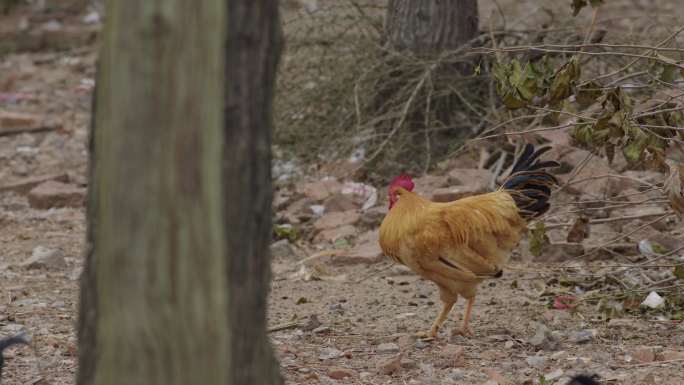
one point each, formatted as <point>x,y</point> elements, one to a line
<point>579,230</point>
<point>674,187</point>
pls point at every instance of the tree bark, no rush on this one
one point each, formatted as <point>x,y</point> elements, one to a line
<point>253,49</point>
<point>154,306</point>
<point>430,26</point>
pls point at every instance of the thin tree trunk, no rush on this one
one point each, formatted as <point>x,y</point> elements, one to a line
<point>153,297</point>
<point>430,26</point>
<point>253,50</point>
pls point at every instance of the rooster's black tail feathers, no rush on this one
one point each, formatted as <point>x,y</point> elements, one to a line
<point>530,184</point>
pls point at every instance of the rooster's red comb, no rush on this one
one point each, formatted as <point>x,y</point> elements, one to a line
<point>404,181</point>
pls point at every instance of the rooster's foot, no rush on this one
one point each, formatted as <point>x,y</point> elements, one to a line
<point>427,336</point>
<point>464,331</point>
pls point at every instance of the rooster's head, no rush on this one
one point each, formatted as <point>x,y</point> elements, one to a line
<point>404,181</point>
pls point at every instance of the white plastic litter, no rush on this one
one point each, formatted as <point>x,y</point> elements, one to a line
<point>653,300</point>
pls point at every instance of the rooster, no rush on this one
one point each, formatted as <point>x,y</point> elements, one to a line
<point>458,244</point>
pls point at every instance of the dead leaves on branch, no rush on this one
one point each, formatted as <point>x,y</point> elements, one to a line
<point>674,187</point>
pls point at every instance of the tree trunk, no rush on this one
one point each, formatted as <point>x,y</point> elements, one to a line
<point>430,26</point>
<point>154,304</point>
<point>253,49</point>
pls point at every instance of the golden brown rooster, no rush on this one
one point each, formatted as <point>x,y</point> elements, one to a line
<point>458,244</point>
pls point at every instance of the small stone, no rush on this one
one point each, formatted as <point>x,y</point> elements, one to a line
<point>509,344</point>
<point>17,120</point>
<point>364,375</point>
<point>337,233</point>
<point>536,361</point>
<point>389,365</point>
<point>367,251</point>
<point>44,258</point>
<point>25,185</point>
<point>669,355</point>
<point>540,335</point>
<point>420,344</point>
<point>558,373</point>
<point>340,202</point>
<point>408,364</point>
<point>387,348</point>
<point>339,373</point>
<point>621,323</point>
<point>13,329</point>
<point>583,336</point>
<point>372,217</point>
<point>329,354</point>
<point>283,249</point>
<point>322,330</point>
<point>456,374</point>
<point>338,219</point>
<point>643,355</point>
<point>406,340</point>
<point>320,190</point>
<point>55,194</point>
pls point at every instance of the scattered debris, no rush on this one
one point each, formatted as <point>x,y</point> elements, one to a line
<point>56,194</point>
<point>44,258</point>
<point>653,300</point>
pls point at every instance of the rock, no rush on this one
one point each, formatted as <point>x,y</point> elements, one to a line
<point>456,375</point>
<point>536,361</point>
<point>11,329</point>
<point>558,373</point>
<point>420,344</point>
<point>388,366</point>
<point>332,235</point>
<point>339,373</point>
<point>311,324</point>
<point>329,354</point>
<point>25,185</point>
<point>408,364</point>
<point>643,355</point>
<point>16,120</point>
<point>44,258</point>
<point>543,338</point>
<point>317,210</point>
<point>56,194</point>
<point>338,219</point>
<point>470,177</point>
<point>406,340</point>
<point>320,190</point>
<point>559,252</point>
<point>340,202</point>
<point>583,336</point>
<point>448,194</point>
<point>670,355</point>
<point>365,375</point>
<point>298,211</point>
<point>283,249</point>
<point>366,251</point>
<point>425,185</point>
<point>387,348</point>
<point>68,36</point>
<point>372,218</point>
<point>621,323</point>
<point>451,356</point>
<point>495,376</point>
<point>322,330</point>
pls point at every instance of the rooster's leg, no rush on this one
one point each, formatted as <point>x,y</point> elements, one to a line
<point>448,301</point>
<point>465,330</point>
<point>446,308</point>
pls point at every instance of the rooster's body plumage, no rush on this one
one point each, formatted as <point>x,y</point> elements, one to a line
<point>458,244</point>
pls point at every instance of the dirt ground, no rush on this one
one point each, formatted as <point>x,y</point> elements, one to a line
<point>348,327</point>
